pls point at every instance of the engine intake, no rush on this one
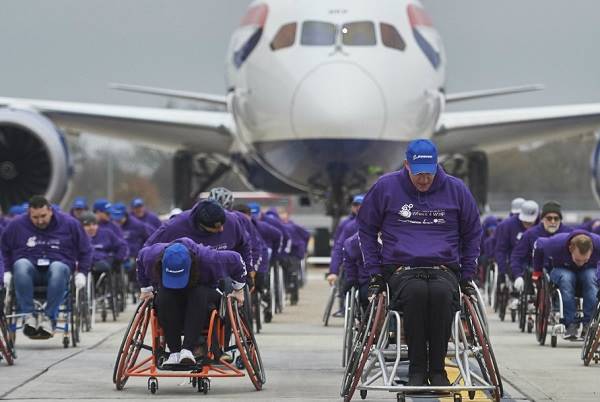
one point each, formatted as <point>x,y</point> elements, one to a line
<point>33,158</point>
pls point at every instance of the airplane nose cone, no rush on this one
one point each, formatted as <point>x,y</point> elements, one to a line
<point>338,100</point>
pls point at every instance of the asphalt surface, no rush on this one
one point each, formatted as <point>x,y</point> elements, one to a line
<point>302,360</point>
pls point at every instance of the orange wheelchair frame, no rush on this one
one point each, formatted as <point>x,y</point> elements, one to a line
<point>127,364</point>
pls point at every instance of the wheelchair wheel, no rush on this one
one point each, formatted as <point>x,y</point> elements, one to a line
<point>246,345</point>
<point>485,355</point>
<point>7,349</point>
<point>74,315</point>
<point>502,301</point>
<point>329,305</point>
<point>544,305</point>
<point>369,331</point>
<point>132,343</point>
<point>591,340</point>
<point>522,310</point>
<point>348,326</point>
<point>255,307</point>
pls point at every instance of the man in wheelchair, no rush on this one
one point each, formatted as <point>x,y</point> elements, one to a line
<point>43,247</point>
<point>356,275</point>
<point>108,248</point>
<point>182,277</point>
<point>430,231</point>
<point>571,259</point>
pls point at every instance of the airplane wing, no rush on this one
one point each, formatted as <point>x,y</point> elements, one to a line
<point>203,131</point>
<point>501,129</point>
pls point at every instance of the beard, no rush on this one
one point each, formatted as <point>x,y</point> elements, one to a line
<point>551,229</point>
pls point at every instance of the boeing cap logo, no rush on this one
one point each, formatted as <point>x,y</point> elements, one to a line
<point>173,271</point>
<point>415,157</point>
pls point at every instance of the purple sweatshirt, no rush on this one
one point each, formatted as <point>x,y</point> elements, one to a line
<point>113,227</point>
<point>508,233</point>
<point>63,240</point>
<point>522,254</point>
<point>439,226</point>
<point>336,253</point>
<point>299,239</point>
<point>341,226</point>
<point>108,246</point>
<point>233,237</point>
<point>212,265</point>
<point>353,261</point>
<point>272,239</point>
<point>253,237</point>
<point>149,219</point>
<point>553,252</point>
<point>285,243</point>
<point>135,233</point>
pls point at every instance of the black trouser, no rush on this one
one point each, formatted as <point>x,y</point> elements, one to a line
<point>429,299</point>
<point>184,310</point>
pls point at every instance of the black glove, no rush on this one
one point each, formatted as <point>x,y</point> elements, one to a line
<point>376,285</point>
<point>467,288</point>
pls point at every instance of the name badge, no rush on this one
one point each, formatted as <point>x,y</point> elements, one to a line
<point>43,262</point>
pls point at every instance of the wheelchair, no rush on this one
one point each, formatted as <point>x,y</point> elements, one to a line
<point>378,360</point>
<point>591,341</point>
<point>353,313</point>
<point>69,319</point>
<point>491,284</point>
<point>549,311</point>
<point>276,287</point>
<point>527,304</point>
<point>7,347</point>
<point>333,296</point>
<point>131,363</point>
<point>106,295</point>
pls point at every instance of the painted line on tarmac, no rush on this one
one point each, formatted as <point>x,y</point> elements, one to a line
<point>45,370</point>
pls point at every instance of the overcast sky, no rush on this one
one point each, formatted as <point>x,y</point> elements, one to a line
<point>70,49</point>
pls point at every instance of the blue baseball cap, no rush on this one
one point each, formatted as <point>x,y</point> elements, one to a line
<point>254,208</point>
<point>102,205</point>
<point>79,203</point>
<point>117,211</point>
<point>422,156</point>
<point>137,202</point>
<point>358,199</point>
<point>16,210</point>
<point>176,264</point>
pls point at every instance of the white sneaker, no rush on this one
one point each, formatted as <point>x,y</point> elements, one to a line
<point>173,359</point>
<point>186,357</point>
<point>30,326</point>
<point>45,329</point>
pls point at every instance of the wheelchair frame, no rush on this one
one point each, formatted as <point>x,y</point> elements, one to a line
<point>127,364</point>
<point>374,363</point>
<point>527,304</point>
<point>353,313</point>
<point>591,341</point>
<point>548,313</point>
<point>7,347</point>
<point>69,308</point>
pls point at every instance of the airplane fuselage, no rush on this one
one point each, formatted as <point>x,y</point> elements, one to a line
<point>328,93</point>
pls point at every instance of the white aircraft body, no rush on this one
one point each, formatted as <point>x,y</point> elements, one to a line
<point>322,96</point>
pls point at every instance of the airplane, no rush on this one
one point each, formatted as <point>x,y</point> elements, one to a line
<point>322,98</point>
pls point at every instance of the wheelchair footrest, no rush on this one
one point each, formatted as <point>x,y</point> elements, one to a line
<point>182,367</point>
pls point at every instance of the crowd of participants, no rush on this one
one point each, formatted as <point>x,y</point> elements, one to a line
<point>178,262</point>
<point>531,243</point>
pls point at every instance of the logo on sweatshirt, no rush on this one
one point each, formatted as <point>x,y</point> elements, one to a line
<point>405,212</point>
<point>31,242</point>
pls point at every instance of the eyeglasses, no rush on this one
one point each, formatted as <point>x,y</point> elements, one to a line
<point>552,218</point>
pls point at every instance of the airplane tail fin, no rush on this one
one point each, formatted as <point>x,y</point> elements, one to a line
<point>487,93</point>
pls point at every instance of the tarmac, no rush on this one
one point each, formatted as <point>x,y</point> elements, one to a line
<point>302,360</point>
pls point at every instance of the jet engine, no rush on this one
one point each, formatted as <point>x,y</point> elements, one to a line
<point>33,158</point>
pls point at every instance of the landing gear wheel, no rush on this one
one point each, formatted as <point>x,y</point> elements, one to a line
<point>153,385</point>
<point>363,394</point>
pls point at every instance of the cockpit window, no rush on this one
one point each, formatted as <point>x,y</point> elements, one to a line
<point>285,37</point>
<point>391,37</point>
<point>317,33</point>
<point>360,33</point>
